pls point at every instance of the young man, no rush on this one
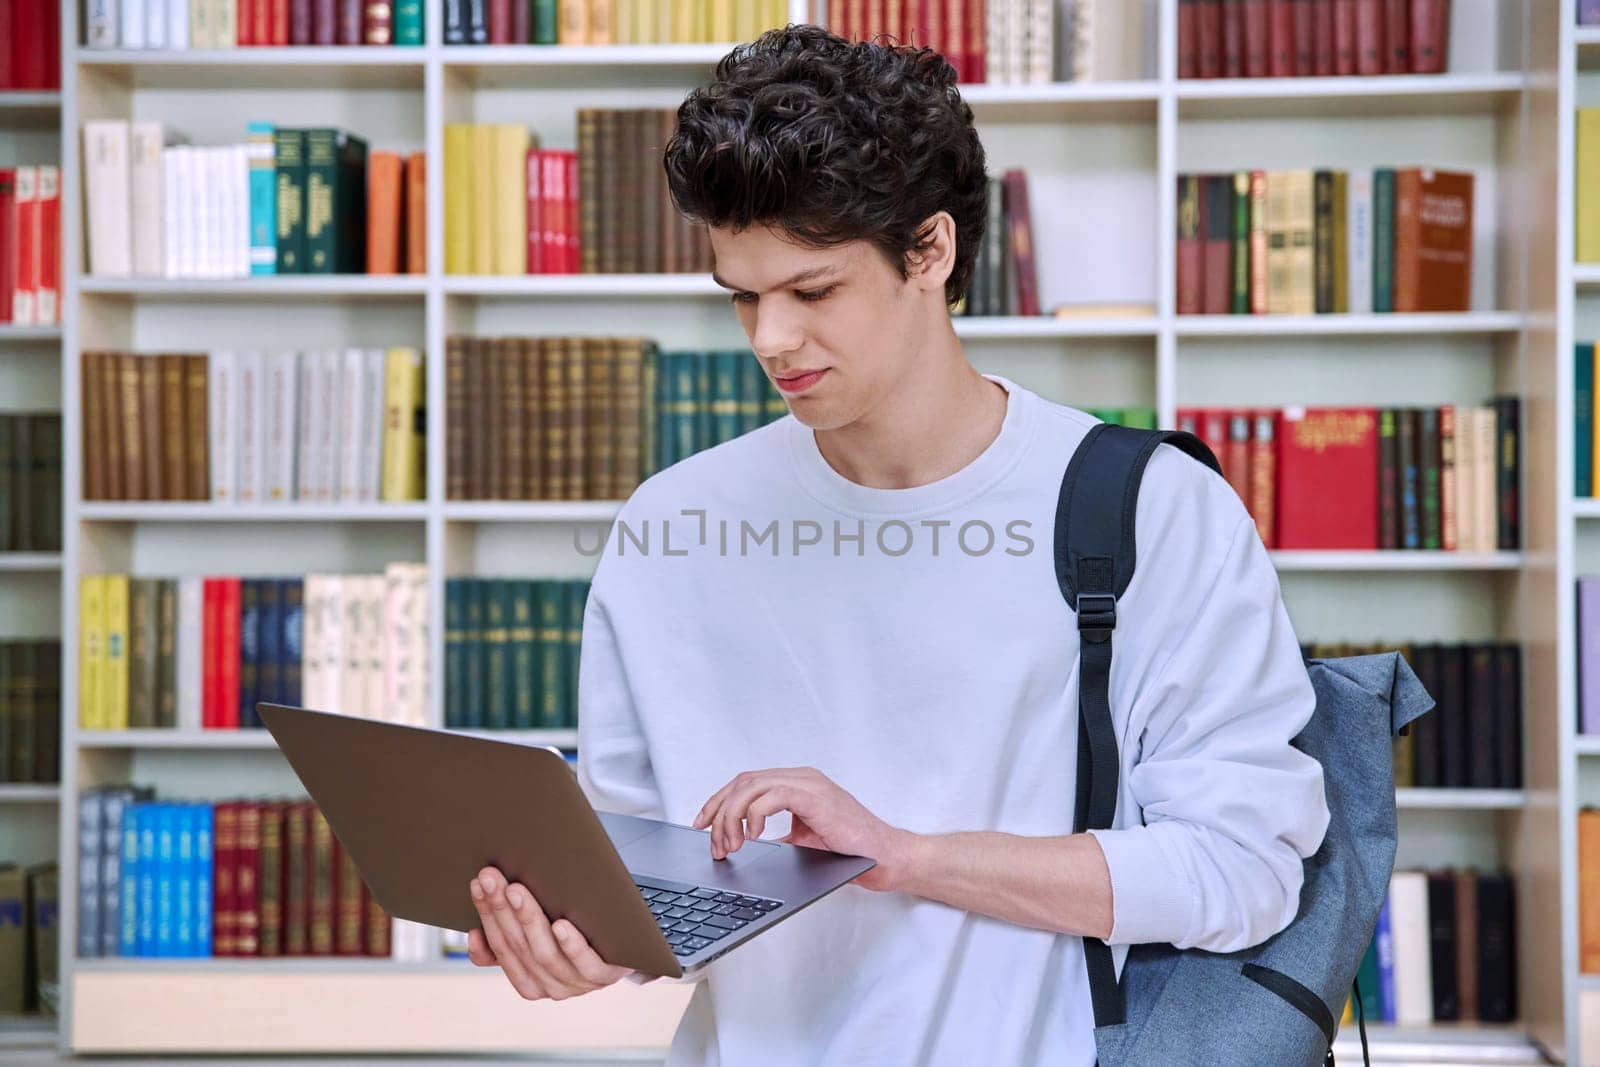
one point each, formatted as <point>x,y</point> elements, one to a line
<point>845,627</point>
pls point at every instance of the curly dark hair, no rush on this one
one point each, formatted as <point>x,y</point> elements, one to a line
<point>832,142</point>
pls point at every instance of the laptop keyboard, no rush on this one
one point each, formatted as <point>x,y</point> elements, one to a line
<point>694,917</point>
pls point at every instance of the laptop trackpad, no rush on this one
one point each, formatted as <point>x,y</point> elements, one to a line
<point>682,855</point>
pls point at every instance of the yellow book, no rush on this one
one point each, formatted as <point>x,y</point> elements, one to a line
<point>574,26</point>
<point>779,15</point>
<point>510,199</point>
<point>1349,1010</point>
<point>683,20</point>
<point>1302,246</point>
<point>646,20</point>
<point>722,20</point>
<point>627,22</point>
<point>91,650</point>
<point>114,677</point>
<point>457,199</point>
<point>666,20</point>
<point>403,395</point>
<point>1586,185</point>
<point>482,199</point>
<point>602,22</point>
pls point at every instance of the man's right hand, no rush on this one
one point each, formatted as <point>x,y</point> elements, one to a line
<point>541,960</point>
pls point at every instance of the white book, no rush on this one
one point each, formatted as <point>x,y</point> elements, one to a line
<point>1079,41</point>
<point>352,422</point>
<point>190,651</point>
<point>155,24</point>
<point>327,424</point>
<point>1413,967</point>
<point>1466,480</point>
<point>995,38</point>
<point>313,690</point>
<point>1358,223</point>
<point>283,386</point>
<point>105,154</point>
<point>171,205</point>
<point>372,424</point>
<point>306,461</point>
<point>252,426</point>
<point>47,298</point>
<point>330,654</point>
<point>200,35</point>
<point>1486,496</point>
<point>102,16</point>
<point>415,710</point>
<point>371,594</point>
<point>1041,51</point>
<point>1015,15</point>
<point>148,197</point>
<point>405,606</point>
<point>178,25</point>
<point>215,194</point>
<point>222,424</point>
<point>352,650</point>
<point>184,160</point>
<point>224,20</point>
<point>239,239</point>
<point>133,23</point>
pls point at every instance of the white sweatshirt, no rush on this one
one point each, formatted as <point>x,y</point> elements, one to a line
<point>931,669</point>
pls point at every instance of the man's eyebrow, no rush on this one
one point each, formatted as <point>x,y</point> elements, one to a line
<point>809,274</point>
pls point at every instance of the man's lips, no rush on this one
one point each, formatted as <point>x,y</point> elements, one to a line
<point>798,381</point>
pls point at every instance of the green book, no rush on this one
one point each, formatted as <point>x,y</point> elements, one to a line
<point>682,406</point>
<point>24,710</point>
<point>142,651</point>
<point>336,216</point>
<point>497,654</point>
<point>1583,409</point>
<point>1367,982</point>
<point>289,150</point>
<point>549,649</point>
<point>704,424</point>
<point>777,406</point>
<point>472,713</point>
<point>1111,415</point>
<point>577,596</point>
<point>544,21</point>
<point>167,652</point>
<point>1240,304</point>
<point>1428,476</point>
<point>8,707</point>
<point>724,396</point>
<point>455,625</point>
<point>1140,418</point>
<point>524,710</point>
<point>8,481</point>
<point>1383,239</point>
<point>752,394</point>
<point>408,22</point>
<point>649,375</point>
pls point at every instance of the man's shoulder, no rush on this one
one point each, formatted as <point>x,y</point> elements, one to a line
<point>733,469</point>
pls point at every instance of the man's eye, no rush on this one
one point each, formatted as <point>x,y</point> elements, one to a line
<point>743,298</point>
<point>817,294</point>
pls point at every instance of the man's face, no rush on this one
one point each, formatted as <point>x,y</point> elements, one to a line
<point>835,329</point>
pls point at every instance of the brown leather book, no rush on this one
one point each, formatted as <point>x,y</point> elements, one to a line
<point>508,398</point>
<point>599,428</point>
<point>1467,942</point>
<point>174,439</point>
<point>491,415</point>
<point>577,396</point>
<point>610,189</point>
<point>377,22</point>
<point>629,164</point>
<point>1216,219</point>
<point>384,176</point>
<point>151,425</point>
<point>1433,240</point>
<point>589,189</point>
<point>1430,35</point>
<point>416,198</point>
<point>1322,38</point>
<point>530,353</point>
<point>94,429</point>
<point>1372,49</point>
<point>322,884</point>
<point>651,178</point>
<point>225,847</point>
<point>555,405</point>
<point>667,258</point>
<point>1237,463</point>
<point>377,928</point>
<point>1305,38</point>
<point>627,415</point>
<point>247,883</point>
<point>1191,274</point>
<point>455,417</point>
<point>478,485</point>
<point>296,876</point>
<point>1397,33</point>
<point>351,904</point>
<point>132,416</point>
<point>1344,37</point>
<point>197,429</point>
<point>272,888</point>
<point>109,372</point>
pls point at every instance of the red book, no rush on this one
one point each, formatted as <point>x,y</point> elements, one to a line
<point>349,14</point>
<point>521,23</point>
<point>1322,36</point>
<point>278,22</point>
<point>8,18</point>
<point>553,213</point>
<point>1208,20</point>
<point>247,880</point>
<point>1236,467</point>
<point>1280,38</point>
<point>8,236</point>
<point>224,852</point>
<point>1187,420</point>
<point>1372,48</point>
<point>211,659</point>
<point>1264,475</point>
<point>228,655</point>
<point>1188,39</point>
<point>573,239</point>
<point>300,22</point>
<point>1305,39</point>
<point>535,172</point>
<point>839,19</point>
<point>1233,38</point>
<point>24,261</point>
<point>1257,40</point>
<point>261,17</point>
<point>1430,35</point>
<point>1344,37</point>
<point>500,21</point>
<point>1214,432</point>
<point>29,33</point>
<point>977,39</point>
<point>1191,266</point>
<point>1020,220</point>
<point>955,35</point>
<point>1397,32</point>
<point>1328,478</point>
<point>52,46</point>
<point>47,247</point>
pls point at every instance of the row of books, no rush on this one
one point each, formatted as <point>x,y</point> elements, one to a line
<point>1005,279</point>
<point>1305,242</point>
<point>1442,478</point>
<point>1321,38</point>
<point>1000,42</point>
<point>512,207</point>
<point>587,418</point>
<point>602,22</point>
<point>1472,739</point>
<point>249,877</point>
<point>197,653</point>
<point>30,925</point>
<point>30,46</point>
<point>1588,608</point>
<point>246,426</point>
<point>511,653</point>
<point>180,25</point>
<point>30,482</point>
<point>30,245</point>
<point>30,711</point>
<point>286,201</point>
<point>1444,951</point>
<point>1589,878</point>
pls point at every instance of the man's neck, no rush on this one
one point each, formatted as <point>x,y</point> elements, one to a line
<point>933,427</point>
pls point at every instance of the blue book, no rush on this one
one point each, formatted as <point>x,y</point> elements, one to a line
<point>249,650</point>
<point>455,651</point>
<point>1384,938</point>
<point>291,595</point>
<point>128,884</point>
<point>269,674</point>
<point>262,154</point>
<point>203,859</point>
<point>1583,412</point>
<point>183,892</point>
<point>166,878</point>
<point>147,880</point>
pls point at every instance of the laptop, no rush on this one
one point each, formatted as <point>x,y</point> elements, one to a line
<point>420,811</point>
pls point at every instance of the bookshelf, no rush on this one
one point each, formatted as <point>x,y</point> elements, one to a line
<point>1105,150</point>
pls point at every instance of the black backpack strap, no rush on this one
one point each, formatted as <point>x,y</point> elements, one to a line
<point>1095,557</point>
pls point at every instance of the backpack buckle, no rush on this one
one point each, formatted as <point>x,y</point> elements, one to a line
<point>1097,616</point>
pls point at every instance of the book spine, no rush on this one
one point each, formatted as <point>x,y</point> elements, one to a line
<point>290,182</point>
<point>1408,240</point>
<point>1383,240</point>
<point>1449,508</point>
<point>1428,461</point>
<point>1508,473</point>
<point>1407,459</point>
<point>1583,411</point>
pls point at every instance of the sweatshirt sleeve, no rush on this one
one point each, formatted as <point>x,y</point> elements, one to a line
<point>1230,808</point>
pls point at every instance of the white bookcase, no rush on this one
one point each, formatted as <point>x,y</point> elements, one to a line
<point>1103,159</point>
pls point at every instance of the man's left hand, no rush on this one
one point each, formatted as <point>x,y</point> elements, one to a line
<point>825,816</point>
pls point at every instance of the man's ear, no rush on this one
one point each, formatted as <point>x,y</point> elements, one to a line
<point>929,265</point>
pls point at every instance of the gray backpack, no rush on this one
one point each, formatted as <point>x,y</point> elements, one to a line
<point>1278,1003</point>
